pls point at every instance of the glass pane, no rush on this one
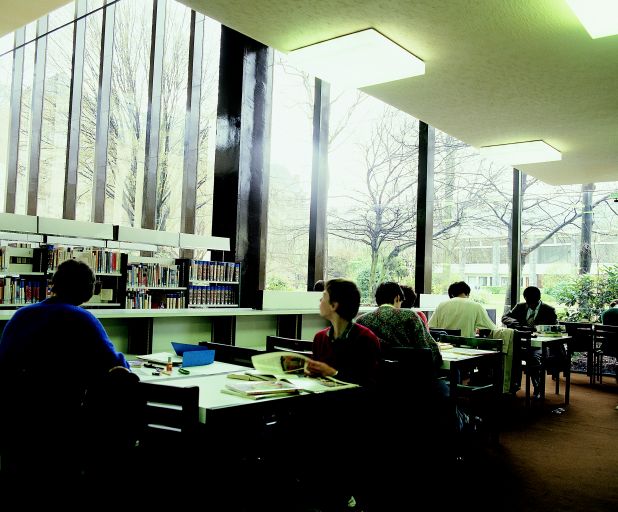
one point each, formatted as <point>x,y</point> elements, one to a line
<point>88,119</point>
<point>6,69</point>
<point>61,16</point>
<point>567,231</point>
<point>23,163</point>
<point>6,43</point>
<point>472,222</point>
<point>129,105</point>
<point>55,122</point>
<point>208,126</point>
<point>373,175</point>
<point>173,110</point>
<point>289,193</point>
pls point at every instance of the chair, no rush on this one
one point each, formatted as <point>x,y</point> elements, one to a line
<point>275,343</point>
<point>231,353</point>
<point>605,344</point>
<point>436,332</point>
<point>582,340</point>
<point>556,359</point>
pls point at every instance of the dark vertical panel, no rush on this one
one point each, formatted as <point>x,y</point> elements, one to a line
<point>103,106</point>
<point>242,155</point>
<point>425,204</point>
<point>192,125</point>
<point>75,110</point>
<point>516,238</point>
<point>36,124</point>
<point>153,118</point>
<point>13,149</point>
<point>318,236</point>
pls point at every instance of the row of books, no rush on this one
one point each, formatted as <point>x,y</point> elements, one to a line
<point>202,270</point>
<point>16,290</point>
<point>145,300</point>
<point>212,295</point>
<point>100,261</point>
<point>153,275</point>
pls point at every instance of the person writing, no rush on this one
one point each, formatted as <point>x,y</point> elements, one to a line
<point>525,316</point>
<point>51,353</point>
<point>459,312</point>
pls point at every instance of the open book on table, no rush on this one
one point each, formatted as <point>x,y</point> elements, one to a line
<point>288,367</point>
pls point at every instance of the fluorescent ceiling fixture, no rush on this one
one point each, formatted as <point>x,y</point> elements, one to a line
<point>131,246</point>
<point>75,242</point>
<point>358,60</point>
<point>20,237</point>
<point>520,153</point>
<point>599,17</point>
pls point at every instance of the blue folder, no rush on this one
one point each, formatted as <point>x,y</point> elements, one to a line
<point>193,355</point>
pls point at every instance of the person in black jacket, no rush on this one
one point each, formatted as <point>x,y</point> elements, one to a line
<point>525,316</point>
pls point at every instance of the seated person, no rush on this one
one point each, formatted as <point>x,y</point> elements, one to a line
<point>396,326</point>
<point>318,286</point>
<point>459,312</point>
<point>525,316</point>
<point>345,350</point>
<point>408,302</point>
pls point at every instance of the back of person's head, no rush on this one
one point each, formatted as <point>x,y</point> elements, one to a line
<point>345,293</point>
<point>409,298</point>
<point>318,286</point>
<point>456,289</point>
<point>613,303</point>
<point>387,292</point>
<point>532,294</point>
<point>73,282</point>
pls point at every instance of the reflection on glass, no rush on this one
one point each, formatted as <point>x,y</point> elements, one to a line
<point>55,122</point>
<point>373,174</point>
<point>290,177</point>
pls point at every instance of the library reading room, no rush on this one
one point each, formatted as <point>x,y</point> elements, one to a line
<point>383,234</point>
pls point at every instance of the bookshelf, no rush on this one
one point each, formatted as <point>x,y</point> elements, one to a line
<point>213,284</point>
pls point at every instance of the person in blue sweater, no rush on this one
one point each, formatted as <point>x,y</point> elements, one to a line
<point>51,354</point>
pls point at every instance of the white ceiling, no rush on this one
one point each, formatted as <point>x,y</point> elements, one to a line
<point>497,71</point>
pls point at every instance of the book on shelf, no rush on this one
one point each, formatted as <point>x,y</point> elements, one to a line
<point>288,367</point>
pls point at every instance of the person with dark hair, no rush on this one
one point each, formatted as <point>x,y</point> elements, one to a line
<point>345,350</point>
<point>409,300</point>
<point>610,316</point>
<point>525,316</point>
<point>51,354</point>
<point>318,286</point>
<point>397,327</point>
<point>459,312</point>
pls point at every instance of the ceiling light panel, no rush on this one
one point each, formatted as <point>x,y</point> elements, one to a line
<point>520,153</point>
<point>599,17</point>
<point>358,60</point>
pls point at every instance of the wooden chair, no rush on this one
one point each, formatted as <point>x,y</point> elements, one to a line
<point>275,343</point>
<point>605,344</point>
<point>582,341</point>
<point>556,359</point>
<point>231,353</point>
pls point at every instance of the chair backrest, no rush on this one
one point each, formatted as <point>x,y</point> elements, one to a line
<point>479,343</point>
<point>606,339</point>
<point>436,332</point>
<point>231,353</point>
<point>407,367</point>
<point>276,343</point>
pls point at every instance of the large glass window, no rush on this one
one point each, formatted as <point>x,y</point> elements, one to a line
<point>566,230</point>
<point>373,175</point>
<point>472,222</point>
<point>55,117</point>
<point>290,177</point>
<point>6,73</point>
<point>207,128</point>
<point>128,109</point>
<point>88,117</point>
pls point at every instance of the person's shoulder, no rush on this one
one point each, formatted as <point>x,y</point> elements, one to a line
<point>364,331</point>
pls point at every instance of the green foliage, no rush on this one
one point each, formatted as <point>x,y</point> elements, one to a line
<point>586,296</point>
<point>277,283</point>
<point>495,290</point>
